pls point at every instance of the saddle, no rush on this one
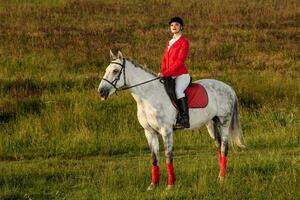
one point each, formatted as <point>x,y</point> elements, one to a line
<point>196,94</point>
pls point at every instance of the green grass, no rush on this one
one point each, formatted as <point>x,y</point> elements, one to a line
<point>255,174</point>
<point>58,141</point>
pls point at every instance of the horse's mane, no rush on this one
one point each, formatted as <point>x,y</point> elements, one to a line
<point>136,64</point>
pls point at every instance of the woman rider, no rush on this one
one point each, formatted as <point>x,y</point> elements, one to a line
<point>175,54</point>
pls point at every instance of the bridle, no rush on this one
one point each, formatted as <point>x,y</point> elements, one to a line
<point>114,82</point>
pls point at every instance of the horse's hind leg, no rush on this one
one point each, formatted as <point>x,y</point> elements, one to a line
<point>219,131</point>
<point>224,130</point>
<point>152,139</point>
<point>214,132</point>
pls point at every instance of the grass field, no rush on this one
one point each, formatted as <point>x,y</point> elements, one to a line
<point>58,141</point>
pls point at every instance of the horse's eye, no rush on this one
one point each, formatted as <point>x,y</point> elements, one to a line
<point>115,71</point>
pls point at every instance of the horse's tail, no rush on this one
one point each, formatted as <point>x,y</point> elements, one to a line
<point>235,130</point>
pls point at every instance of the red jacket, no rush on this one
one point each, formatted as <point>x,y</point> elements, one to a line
<point>173,59</point>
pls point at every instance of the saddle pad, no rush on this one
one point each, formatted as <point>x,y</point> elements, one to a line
<point>197,96</point>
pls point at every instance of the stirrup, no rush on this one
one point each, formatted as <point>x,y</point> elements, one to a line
<point>179,124</point>
<point>182,125</point>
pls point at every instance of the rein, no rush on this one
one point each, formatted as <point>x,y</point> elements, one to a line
<point>114,82</point>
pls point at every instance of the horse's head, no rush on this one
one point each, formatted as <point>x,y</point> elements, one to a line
<point>113,78</point>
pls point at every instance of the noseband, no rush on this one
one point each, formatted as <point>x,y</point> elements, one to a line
<point>114,82</point>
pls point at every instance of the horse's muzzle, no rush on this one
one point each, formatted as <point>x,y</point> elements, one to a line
<point>103,93</point>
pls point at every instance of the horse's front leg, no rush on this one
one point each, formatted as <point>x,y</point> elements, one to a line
<point>168,144</point>
<point>152,139</point>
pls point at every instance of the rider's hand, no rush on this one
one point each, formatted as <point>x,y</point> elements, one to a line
<point>159,75</point>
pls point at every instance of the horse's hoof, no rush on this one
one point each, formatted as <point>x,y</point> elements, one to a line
<point>221,179</point>
<point>169,187</point>
<point>151,187</point>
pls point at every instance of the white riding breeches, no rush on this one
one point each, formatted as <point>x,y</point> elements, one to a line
<point>181,83</point>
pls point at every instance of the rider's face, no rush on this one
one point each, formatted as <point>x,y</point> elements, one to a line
<point>175,27</point>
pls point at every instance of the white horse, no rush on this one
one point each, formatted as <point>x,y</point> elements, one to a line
<point>157,115</point>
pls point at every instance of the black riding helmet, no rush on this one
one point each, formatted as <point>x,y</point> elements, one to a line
<point>176,19</point>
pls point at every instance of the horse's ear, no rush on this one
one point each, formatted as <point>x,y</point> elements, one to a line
<point>120,55</point>
<point>112,55</point>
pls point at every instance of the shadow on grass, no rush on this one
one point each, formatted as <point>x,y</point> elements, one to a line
<point>10,111</point>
